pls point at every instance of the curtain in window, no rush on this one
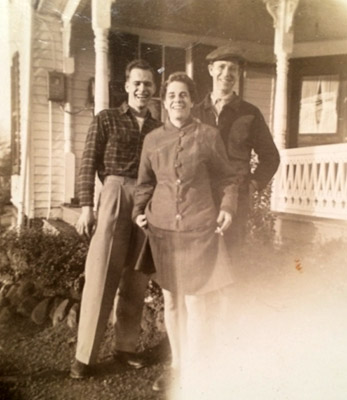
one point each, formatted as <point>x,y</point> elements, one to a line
<point>318,113</point>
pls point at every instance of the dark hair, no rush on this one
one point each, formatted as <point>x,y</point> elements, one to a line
<point>140,64</point>
<point>179,77</point>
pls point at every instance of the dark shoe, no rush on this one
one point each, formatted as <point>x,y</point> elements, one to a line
<point>165,380</point>
<point>79,370</point>
<point>131,359</point>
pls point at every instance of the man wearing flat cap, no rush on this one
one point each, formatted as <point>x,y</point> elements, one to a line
<point>243,129</point>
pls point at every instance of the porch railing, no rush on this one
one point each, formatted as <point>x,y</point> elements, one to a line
<point>312,181</point>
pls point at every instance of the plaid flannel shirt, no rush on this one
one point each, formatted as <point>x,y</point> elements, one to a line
<point>113,147</point>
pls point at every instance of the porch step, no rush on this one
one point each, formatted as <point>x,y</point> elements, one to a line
<point>303,229</point>
<point>57,226</point>
<point>70,214</point>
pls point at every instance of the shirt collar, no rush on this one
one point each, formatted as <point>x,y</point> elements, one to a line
<point>234,101</point>
<point>224,99</point>
<point>124,108</point>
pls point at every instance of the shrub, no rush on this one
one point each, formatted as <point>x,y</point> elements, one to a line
<point>53,261</point>
<point>261,220</point>
<point>5,175</point>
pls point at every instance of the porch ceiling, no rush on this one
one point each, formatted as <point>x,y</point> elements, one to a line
<point>237,20</point>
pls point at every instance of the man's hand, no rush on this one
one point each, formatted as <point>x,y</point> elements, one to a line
<point>224,221</point>
<point>86,221</point>
<point>141,221</point>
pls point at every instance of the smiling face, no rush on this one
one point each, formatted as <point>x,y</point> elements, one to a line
<point>140,88</point>
<point>178,103</point>
<point>224,75</point>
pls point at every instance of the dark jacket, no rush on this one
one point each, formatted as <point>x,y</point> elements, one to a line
<point>243,129</point>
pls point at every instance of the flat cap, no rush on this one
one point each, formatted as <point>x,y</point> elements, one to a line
<point>225,53</point>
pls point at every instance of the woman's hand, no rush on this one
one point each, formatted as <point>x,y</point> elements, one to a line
<point>224,221</point>
<point>141,221</point>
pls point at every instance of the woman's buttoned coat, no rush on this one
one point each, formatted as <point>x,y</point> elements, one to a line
<point>184,180</point>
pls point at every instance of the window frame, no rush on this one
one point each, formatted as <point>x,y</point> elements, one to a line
<point>311,67</point>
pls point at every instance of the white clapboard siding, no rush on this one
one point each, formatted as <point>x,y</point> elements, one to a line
<point>48,174</point>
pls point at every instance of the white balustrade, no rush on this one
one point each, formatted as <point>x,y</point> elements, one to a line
<point>312,181</point>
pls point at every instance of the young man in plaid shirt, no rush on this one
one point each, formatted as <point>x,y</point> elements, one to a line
<point>112,150</point>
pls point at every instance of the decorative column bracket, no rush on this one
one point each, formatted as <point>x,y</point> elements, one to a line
<point>282,12</point>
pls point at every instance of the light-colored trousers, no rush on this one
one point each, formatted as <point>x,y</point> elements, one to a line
<point>106,271</point>
<point>193,324</point>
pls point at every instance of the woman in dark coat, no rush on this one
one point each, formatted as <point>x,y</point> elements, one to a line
<point>185,197</point>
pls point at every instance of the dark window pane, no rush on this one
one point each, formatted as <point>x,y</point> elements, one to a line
<point>153,54</point>
<point>123,48</point>
<point>200,73</point>
<point>175,60</point>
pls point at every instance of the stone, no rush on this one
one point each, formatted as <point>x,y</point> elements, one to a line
<point>5,279</point>
<point>56,301</point>
<point>40,313</point>
<point>72,317</point>
<point>26,306</point>
<point>61,312</point>
<point>11,295</point>
<point>5,288</point>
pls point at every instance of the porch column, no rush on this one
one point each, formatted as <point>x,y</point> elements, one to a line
<point>282,12</point>
<point>101,23</point>
<point>69,156</point>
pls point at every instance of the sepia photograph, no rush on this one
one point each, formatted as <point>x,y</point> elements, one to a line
<point>173,200</point>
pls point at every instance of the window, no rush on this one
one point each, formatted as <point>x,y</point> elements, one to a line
<point>317,111</point>
<point>165,60</point>
<point>126,47</point>
<point>318,105</point>
<point>123,48</point>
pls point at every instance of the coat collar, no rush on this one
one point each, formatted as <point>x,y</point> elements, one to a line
<point>188,127</point>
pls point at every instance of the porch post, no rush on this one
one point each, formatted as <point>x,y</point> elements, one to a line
<point>282,12</point>
<point>101,23</point>
<point>69,156</point>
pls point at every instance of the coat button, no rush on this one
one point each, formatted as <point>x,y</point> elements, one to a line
<point>178,182</point>
<point>178,217</point>
<point>181,134</point>
<point>179,148</point>
<point>177,164</point>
